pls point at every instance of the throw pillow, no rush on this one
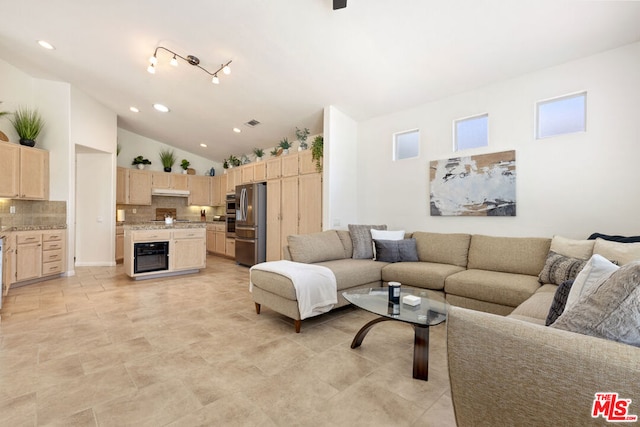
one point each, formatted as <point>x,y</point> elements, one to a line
<point>559,302</point>
<point>385,235</point>
<point>396,250</point>
<point>596,270</point>
<point>582,249</point>
<point>609,310</point>
<point>621,253</point>
<point>559,268</point>
<point>361,239</point>
<point>315,247</point>
<point>621,239</point>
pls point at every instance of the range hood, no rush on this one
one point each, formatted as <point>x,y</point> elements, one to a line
<point>169,192</point>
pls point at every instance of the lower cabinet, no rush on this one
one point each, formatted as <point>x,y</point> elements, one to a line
<point>230,249</point>
<point>217,240</point>
<point>31,255</point>
<point>187,250</point>
<point>119,243</point>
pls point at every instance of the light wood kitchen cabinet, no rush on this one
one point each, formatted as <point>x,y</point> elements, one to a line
<point>119,243</point>
<point>294,206</point>
<point>122,186</point>
<point>306,164</point>
<point>139,187</point>
<point>28,256</point>
<point>234,178</point>
<point>289,165</point>
<point>211,238</point>
<point>187,250</point>
<point>231,248</point>
<point>53,252</point>
<point>259,171</point>
<point>274,168</point>
<point>24,172</point>
<point>169,180</point>
<point>247,172</point>
<point>8,262</point>
<point>217,195</point>
<point>216,239</point>
<point>310,203</point>
<point>199,187</point>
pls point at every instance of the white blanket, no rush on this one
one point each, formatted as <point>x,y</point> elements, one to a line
<point>315,285</point>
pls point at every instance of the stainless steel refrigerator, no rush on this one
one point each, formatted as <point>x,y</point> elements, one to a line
<point>251,224</point>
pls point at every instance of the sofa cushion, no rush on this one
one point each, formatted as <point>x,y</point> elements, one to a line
<point>345,238</point>
<point>536,308</point>
<point>582,249</point>
<point>443,248</point>
<point>597,269</point>
<point>559,268</point>
<point>316,247</point>
<point>426,275</point>
<point>362,241</point>
<point>520,255</point>
<point>618,253</point>
<point>491,286</point>
<point>351,272</point>
<point>610,310</point>
<point>559,302</point>
<point>396,250</point>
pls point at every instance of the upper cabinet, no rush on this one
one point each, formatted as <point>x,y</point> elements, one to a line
<point>24,172</point>
<point>139,187</point>
<point>169,180</point>
<point>200,190</point>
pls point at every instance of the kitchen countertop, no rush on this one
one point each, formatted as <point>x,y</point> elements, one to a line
<point>160,225</point>
<point>7,229</point>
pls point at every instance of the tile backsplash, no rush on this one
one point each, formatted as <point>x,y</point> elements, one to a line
<point>183,211</point>
<point>32,212</point>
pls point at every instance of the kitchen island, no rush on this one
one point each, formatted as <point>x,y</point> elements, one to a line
<point>156,249</point>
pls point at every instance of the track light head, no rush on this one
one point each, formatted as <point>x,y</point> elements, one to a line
<point>192,60</point>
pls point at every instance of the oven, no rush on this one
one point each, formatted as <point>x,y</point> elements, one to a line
<point>230,219</point>
<point>148,257</point>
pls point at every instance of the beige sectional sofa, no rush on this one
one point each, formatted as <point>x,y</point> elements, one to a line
<point>487,273</point>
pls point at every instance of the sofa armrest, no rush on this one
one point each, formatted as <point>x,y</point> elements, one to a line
<point>505,371</point>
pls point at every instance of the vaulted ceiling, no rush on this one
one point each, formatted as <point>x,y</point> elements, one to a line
<point>291,58</point>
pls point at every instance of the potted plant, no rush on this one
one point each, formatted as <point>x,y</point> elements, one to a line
<point>28,124</point>
<point>3,136</point>
<point>302,136</point>
<point>275,152</point>
<point>185,165</point>
<point>234,161</point>
<point>285,145</point>
<point>225,165</point>
<point>259,153</point>
<point>140,162</point>
<point>316,151</point>
<point>168,158</point>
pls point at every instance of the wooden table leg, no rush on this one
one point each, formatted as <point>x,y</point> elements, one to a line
<point>421,353</point>
<point>357,340</point>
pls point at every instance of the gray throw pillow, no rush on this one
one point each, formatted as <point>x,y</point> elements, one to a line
<point>362,241</point>
<point>559,268</point>
<point>610,309</point>
<point>559,301</point>
<point>396,250</point>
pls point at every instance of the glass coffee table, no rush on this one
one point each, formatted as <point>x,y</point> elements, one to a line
<point>431,311</point>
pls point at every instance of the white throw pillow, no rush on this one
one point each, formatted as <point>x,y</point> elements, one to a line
<point>385,235</point>
<point>581,249</point>
<point>596,270</point>
<point>622,253</point>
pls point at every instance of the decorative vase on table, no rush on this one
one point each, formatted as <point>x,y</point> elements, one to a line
<point>140,166</point>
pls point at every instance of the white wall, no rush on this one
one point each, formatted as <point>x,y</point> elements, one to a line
<point>340,178</point>
<point>570,185</point>
<point>133,145</point>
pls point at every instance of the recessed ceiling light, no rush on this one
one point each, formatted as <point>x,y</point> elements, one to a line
<point>134,109</point>
<point>236,130</point>
<point>45,44</point>
<point>161,108</point>
<point>203,145</point>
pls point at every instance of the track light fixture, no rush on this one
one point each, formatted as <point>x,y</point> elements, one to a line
<point>192,60</point>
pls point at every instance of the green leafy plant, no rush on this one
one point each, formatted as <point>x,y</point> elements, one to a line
<point>234,161</point>
<point>317,147</point>
<point>259,152</point>
<point>167,158</point>
<point>302,136</point>
<point>140,161</point>
<point>225,164</point>
<point>3,113</point>
<point>274,152</point>
<point>28,123</point>
<point>118,149</point>
<point>285,144</point>
<point>185,164</point>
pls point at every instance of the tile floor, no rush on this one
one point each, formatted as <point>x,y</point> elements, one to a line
<point>98,349</point>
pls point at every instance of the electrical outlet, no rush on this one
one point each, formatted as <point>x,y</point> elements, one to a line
<point>134,210</point>
<point>12,209</point>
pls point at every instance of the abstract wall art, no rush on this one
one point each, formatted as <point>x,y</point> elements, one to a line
<point>481,185</point>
